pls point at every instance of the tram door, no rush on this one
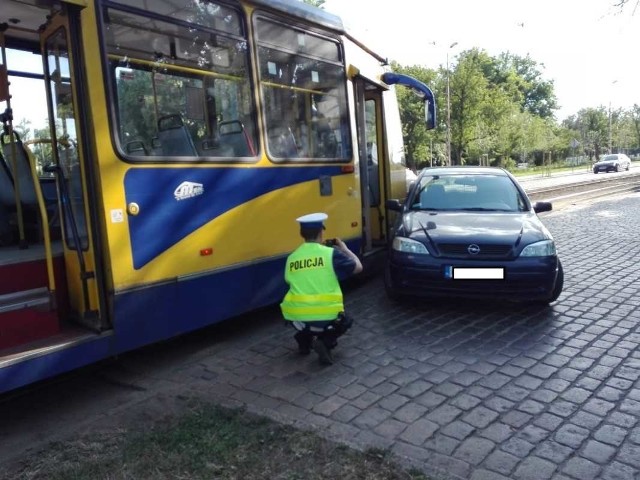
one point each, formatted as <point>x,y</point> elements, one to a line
<point>373,163</point>
<point>69,151</point>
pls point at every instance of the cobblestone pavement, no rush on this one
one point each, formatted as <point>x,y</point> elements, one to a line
<point>463,390</point>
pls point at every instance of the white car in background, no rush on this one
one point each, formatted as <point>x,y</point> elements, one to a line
<point>613,162</point>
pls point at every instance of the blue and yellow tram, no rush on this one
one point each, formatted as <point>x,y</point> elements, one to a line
<point>180,142</point>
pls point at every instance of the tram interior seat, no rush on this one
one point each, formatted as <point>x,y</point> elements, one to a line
<point>22,175</point>
<point>233,134</point>
<point>174,137</point>
<point>136,148</point>
<point>282,143</point>
<point>7,193</point>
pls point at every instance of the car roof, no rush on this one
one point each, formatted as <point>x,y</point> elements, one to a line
<point>467,170</point>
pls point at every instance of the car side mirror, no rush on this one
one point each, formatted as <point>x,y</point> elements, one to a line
<point>394,204</point>
<point>540,207</point>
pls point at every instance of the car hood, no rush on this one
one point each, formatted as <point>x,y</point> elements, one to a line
<point>607,162</point>
<point>516,229</point>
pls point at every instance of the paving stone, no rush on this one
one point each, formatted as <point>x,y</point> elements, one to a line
<point>371,417</point>
<point>458,430</point>
<point>532,407</point>
<point>576,395</point>
<point>533,434</point>
<point>630,454</point>
<point>390,428</point>
<point>430,399</point>
<point>553,451</point>
<point>410,412</point>
<point>450,465</point>
<point>599,407</point>
<point>494,381</point>
<point>474,450</point>
<point>534,468</point>
<point>442,444</point>
<point>480,417</point>
<point>499,404</point>
<point>501,462</point>
<point>448,389</point>
<point>517,447</point>
<point>419,431</point>
<point>481,474</point>
<point>414,389</point>
<point>516,419</point>
<point>581,468</point>
<point>619,471</point>
<point>598,452</point>
<point>586,420</point>
<point>548,421</point>
<point>465,402</point>
<point>498,432</point>
<point>611,435</point>
<point>622,419</point>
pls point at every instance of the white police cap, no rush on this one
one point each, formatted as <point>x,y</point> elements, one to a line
<point>312,220</point>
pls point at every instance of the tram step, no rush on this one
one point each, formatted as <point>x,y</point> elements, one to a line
<point>35,298</point>
<point>26,316</point>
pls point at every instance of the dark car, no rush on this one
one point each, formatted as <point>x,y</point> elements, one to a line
<point>471,232</point>
<point>612,163</point>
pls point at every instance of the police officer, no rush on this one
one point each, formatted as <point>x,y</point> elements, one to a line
<point>314,304</point>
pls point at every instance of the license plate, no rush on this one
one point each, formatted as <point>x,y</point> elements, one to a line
<point>478,273</point>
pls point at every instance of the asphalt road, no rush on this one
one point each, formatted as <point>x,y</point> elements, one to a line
<point>461,389</point>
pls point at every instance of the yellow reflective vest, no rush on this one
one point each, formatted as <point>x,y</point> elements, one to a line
<point>314,291</point>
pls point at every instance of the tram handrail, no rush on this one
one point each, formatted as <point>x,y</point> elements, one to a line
<point>44,216</point>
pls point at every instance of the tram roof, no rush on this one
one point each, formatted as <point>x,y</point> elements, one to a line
<point>304,11</point>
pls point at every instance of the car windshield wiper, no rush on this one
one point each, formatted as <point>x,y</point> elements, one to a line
<point>483,209</point>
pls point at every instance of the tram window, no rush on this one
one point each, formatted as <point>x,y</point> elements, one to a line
<point>303,88</point>
<point>198,73</point>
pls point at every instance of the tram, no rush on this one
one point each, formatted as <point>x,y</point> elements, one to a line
<point>155,155</point>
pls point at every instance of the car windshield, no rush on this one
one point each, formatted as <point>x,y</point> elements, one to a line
<point>467,193</point>
<point>610,157</point>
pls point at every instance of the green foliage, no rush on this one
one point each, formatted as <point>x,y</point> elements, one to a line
<point>502,113</point>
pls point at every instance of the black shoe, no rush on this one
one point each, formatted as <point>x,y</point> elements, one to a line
<point>324,354</point>
<point>304,343</point>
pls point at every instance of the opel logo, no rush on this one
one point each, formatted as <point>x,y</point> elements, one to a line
<point>473,249</point>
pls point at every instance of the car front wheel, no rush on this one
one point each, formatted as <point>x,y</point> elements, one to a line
<point>390,290</point>
<point>557,289</point>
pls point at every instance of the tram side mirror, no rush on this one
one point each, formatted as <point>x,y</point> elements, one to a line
<point>394,204</point>
<point>540,207</point>
<point>420,89</point>
<point>4,84</point>
<point>429,114</point>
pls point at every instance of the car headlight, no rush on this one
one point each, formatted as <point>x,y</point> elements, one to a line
<point>546,248</point>
<point>406,245</point>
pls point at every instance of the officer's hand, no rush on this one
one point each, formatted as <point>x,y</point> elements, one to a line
<point>341,245</point>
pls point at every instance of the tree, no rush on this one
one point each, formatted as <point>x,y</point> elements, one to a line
<point>522,79</point>
<point>593,125</point>
<point>417,139</point>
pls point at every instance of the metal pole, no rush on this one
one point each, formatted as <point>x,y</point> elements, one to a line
<point>449,108</point>
<point>610,150</point>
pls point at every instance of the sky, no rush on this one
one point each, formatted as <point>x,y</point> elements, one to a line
<point>588,48</point>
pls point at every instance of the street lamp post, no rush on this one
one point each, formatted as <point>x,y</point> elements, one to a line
<point>449,108</point>
<point>610,136</point>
